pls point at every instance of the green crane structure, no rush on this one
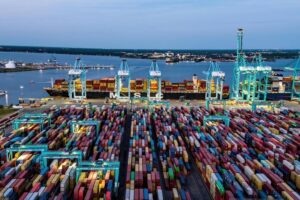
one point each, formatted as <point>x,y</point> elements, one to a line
<point>216,76</point>
<point>81,165</point>
<point>239,62</point>
<point>245,87</point>
<point>77,72</point>
<point>37,118</point>
<point>75,125</point>
<point>100,166</point>
<point>259,103</point>
<point>155,103</point>
<point>223,118</point>
<point>154,74</point>
<point>24,148</point>
<point>123,76</point>
<point>46,155</point>
<point>261,79</point>
<point>295,68</point>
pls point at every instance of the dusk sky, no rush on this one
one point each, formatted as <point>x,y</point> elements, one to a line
<point>150,24</point>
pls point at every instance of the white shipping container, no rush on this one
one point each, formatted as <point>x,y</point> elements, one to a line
<point>131,194</point>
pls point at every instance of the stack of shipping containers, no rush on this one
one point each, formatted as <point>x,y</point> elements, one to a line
<point>143,179</point>
<point>256,157</point>
<point>172,154</point>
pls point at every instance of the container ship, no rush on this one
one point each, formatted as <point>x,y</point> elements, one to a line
<point>104,87</point>
<point>279,88</point>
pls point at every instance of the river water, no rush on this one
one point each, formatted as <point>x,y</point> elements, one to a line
<point>31,84</point>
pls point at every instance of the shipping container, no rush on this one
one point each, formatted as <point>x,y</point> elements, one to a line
<point>142,165</point>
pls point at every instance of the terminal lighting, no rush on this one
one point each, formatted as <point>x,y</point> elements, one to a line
<point>123,73</point>
<point>246,68</point>
<point>218,74</point>
<point>264,68</point>
<point>155,73</point>
<point>75,72</point>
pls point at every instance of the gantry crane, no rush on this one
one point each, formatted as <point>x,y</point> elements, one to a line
<point>75,125</point>
<point>223,118</point>
<point>81,165</point>
<point>244,85</point>
<point>271,104</point>
<point>123,76</point>
<point>100,166</point>
<point>239,61</point>
<point>46,155</point>
<point>25,148</point>
<point>242,72</point>
<point>37,118</point>
<point>77,73</point>
<point>214,77</point>
<point>156,103</point>
<point>260,79</point>
<point>154,74</point>
<point>295,68</point>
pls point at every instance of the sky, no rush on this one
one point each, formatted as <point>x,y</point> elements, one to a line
<point>150,24</point>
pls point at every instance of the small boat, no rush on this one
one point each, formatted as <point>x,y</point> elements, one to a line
<point>21,86</point>
<point>52,59</point>
<point>3,92</point>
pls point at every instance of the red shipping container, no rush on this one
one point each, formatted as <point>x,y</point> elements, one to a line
<point>23,196</point>
<point>81,193</point>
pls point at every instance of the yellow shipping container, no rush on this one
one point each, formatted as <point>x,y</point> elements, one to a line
<point>293,176</point>
<point>37,179</point>
<point>82,176</point>
<point>298,181</point>
<point>124,89</point>
<point>286,196</point>
<point>185,156</point>
<point>257,164</point>
<point>257,182</point>
<point>208,172</point>
<point>55,179</point>
<point>96,186</point>
<point>50,180</point>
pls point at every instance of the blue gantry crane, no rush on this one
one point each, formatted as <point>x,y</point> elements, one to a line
<point>223,118</point>
<point>123,78</point>
<point>75,125</point>
<point>239,61</point>
<point>295,68</point>
<point>81,165</point>
<point>154,74</point>
<point>36,118</point>
<point>77,76</point>
<point>244,83</point>
<point>260,80</point>
<point>242,73</point>
<point>214,83</point>
<point>46,155</point>
<point>100,166</point>
<point>259,103</point>
<point>24,148</point>
<point>157,103</point>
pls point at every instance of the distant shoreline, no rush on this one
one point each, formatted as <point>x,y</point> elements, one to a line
<point>18,69</point>
<point>220,55</point>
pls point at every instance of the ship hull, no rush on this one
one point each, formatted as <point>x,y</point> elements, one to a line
<point>103,94</point>
<point>173,95</point>
<point>278,96</point>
